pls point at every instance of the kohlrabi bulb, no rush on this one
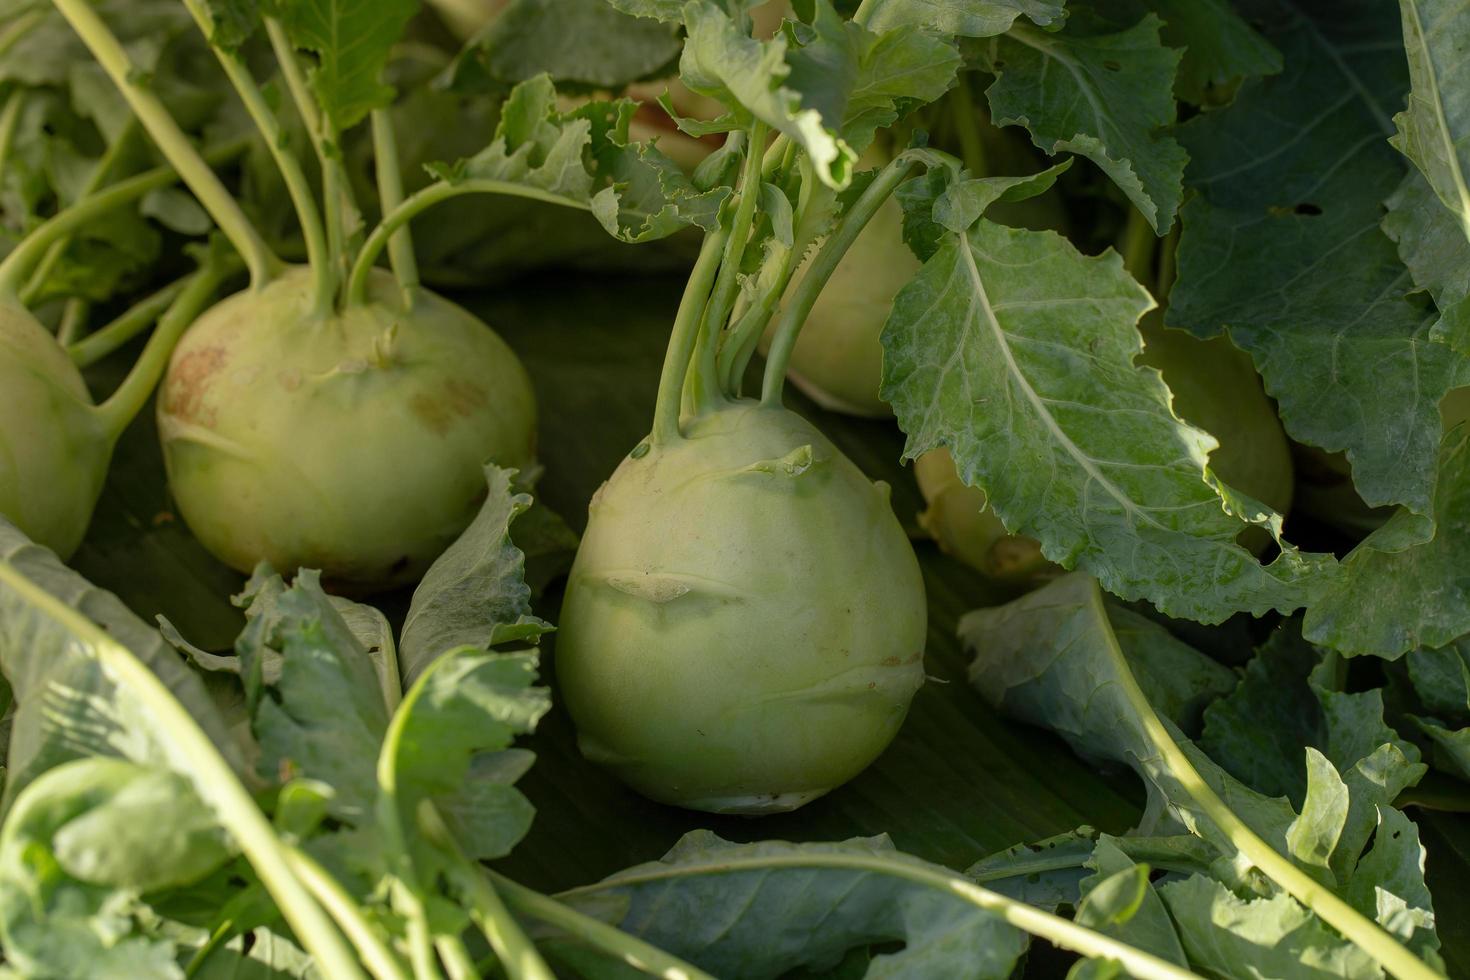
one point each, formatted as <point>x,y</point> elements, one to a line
<point>838,358</point>
<point>351,443</point>
<point>1215,387</point>
<point>744,624</point>
<point>54,449</point>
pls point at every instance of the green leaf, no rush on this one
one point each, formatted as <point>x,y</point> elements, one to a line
<point>759,910</point>
<point>474,594</point>
<point>1274,936</point>
<point>863,80</point>
<point>351,40</point>
<point>1281,248</point>
<point>1388,884</point>
<point>1016,352</point>
<point>1119,901</point>
<point>1220,48</point>
<point>67,704</point>
<point>1390,600</point>
<point>1103,96</point>
<point>967,18</point>
<point>1291,697</point>
<point>534,145</point>
<point>1051,658</point>
<point>448,743</point>
<point>323,717</point>
<point>1433,245</point>
<point>1441,678</point>
<point>1434,130</point>
<point>721,62</point>
<point>669,11</point>
<point>53,924</point>
<point>579,41</point>
<point>152,833</point>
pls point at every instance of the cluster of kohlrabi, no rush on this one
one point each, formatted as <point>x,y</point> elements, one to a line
<point>333,415</point>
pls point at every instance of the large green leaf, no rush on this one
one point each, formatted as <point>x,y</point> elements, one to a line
<point>1016,352</point>
<point>967,18</point>
<point>1434,131</point>
<point>1103,96</point>
<point>351,40</point>
<point>1282,248</point>
<point>1390,601</point>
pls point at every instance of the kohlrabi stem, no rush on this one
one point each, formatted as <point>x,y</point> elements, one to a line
<point>801,301</point>
<point>776,155</point>
<point>518,955</point>
<point>390,196</point>
<point>1056,930</point>
<point>687,320</point>
<point>708,391</point>
<point>130,397</point>
<point>633,951</point>
<point>9,120</point>
<point>1354,926</point>
<point>457,960</point>
<point>1138,246</point>
<point>217,938</point>
<point>95,181</point>
<point>298,188</point>
<point>972,150</point>
<point>196,758</point>
<point>131,322</point>
<point>73,318</point>
<point>376,954</point>
<point>18,264</point>
<point>330,269</point>
<point>170,139</point>
<point>775,273</point>
<point>423,199</point>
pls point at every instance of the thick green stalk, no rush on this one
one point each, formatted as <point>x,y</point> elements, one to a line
<point>707,389</point>
<point>9,120</point>
<point>96,180</point>
<point>630,949</point>
<point>390,196</point>
<point>18,264</point>
<point>456,959</point>
<point>685,334</point>
<point>211,777</point>
<point>73,319</point>
<point>376,954</point>
<point>518,955</point>
<point>775,274</point>
<point>298,188</point>
<point>423,199</point>
<point>1354,926</point>
<point>334,181</point>
<point>131,322</point>
<point>1054,929</point>
<point>805,297</point>
<point>130,397</point>
<point>170,139</point>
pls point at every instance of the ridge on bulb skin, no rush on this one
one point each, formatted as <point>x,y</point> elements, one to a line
<point>744,624</point>
<point>352,443</point>
<point>54,448</point>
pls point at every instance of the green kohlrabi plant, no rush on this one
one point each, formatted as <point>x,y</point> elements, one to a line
<point>333,415</point>
<point>744,624</point>
<point>55,442</point>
